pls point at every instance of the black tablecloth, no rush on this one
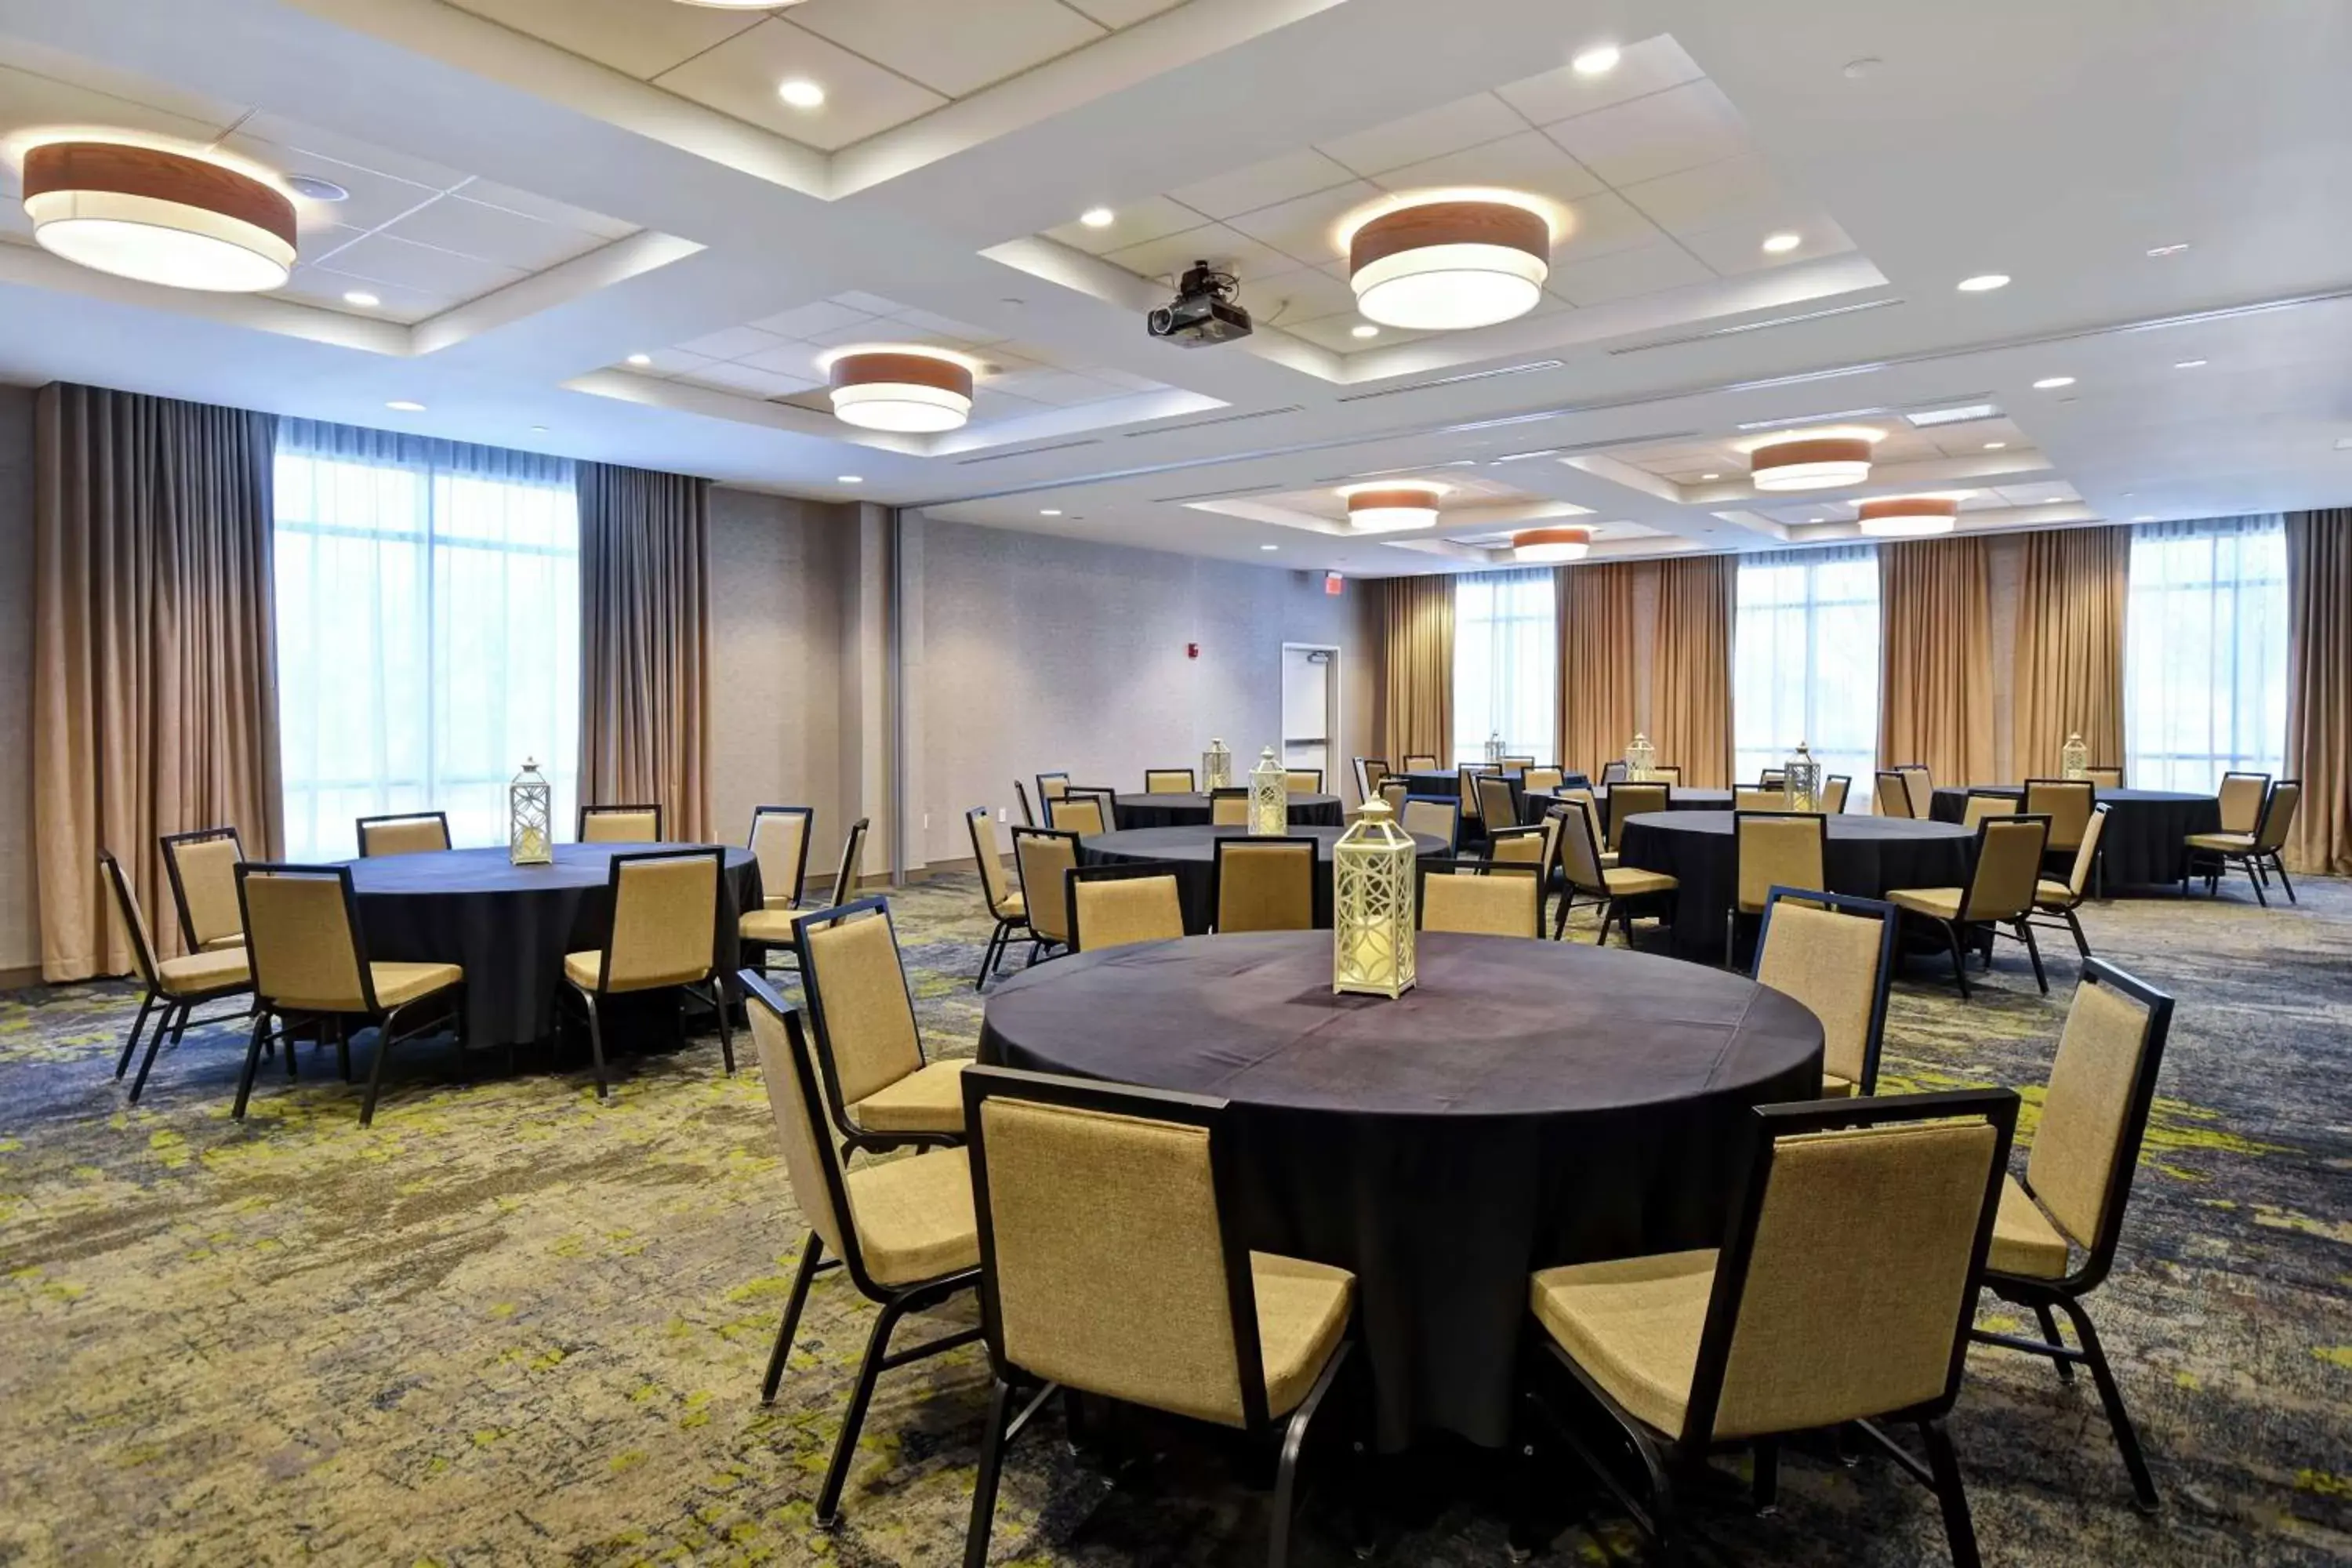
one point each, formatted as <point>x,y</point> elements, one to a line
<point>1531,1103</point>
<point>1192,852</point>
<point>1446,783</point>
<point>2145,842</point>
<point>1539,802</point>
<point>1865,856</point>
<point>509,926</point>
<point>1192,811</point>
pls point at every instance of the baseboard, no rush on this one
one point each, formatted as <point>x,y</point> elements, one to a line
<point>20,978</point>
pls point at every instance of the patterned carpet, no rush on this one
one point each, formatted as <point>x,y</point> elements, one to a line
<point>509,1326</point>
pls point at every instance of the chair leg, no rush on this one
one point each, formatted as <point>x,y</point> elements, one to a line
<point>130,1041</point>
<point>2082,943</point>
<point>803,1278</point>
<point>726,1025</point>
<point>596,1045</point>
<point>1764,1484</point>
<point>2050,1332</point>
<point>2127,1437</point>
<point>988,957</point>
<point>383,1033</point>
<point>2254,875</point>
<point>155,1040</point>
<point>179,1025</point>
<point>845,1447</point>
<point>1944,1466</point>
<point>2033,952</point>
<point>343,1047</point>
<point>1285,1471</point>
<point>991,1468</point>
<point>252,1060</point>
<point>2279,865</point>
<point>1959,965</point>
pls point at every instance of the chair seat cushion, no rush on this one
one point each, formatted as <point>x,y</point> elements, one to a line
<point>1634,1324</point>
<point>2024,1240</point>
<point>1624,882</point>
<point>1836,1088</point>
<point>1302,1312</point>
<point>1013,908</point>
<point>914,1216</point>
<point>235,939</point>
<point>2222,843</point>
<point>2047,891</point>
<point>1608,860</point>
<point>1943,904</point>
<point>767,925</point>
<point>929,1099</point>
<point>398,983</point>
<point>223,970</point>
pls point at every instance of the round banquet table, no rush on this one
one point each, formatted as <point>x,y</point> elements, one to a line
<point>1192,852</point>
<point>2144,843</point>
<point>509,926</point>
<point>1677,799</point>
<point>1865,856</point>
<point>1192,811</point>
<point>1528,1104</point>
<point>1445,782</point>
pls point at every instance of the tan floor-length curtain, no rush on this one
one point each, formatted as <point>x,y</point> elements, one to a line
<point>154,667</point>
<point>2319,688</point>
<point>1690,669</point>
<point>1935,694</point>
<point>1597,712</point>
<point>2069,672</point>
<point>645,643</point>
<point>1413,706</point>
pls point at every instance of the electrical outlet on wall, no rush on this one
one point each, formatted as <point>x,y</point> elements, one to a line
<point>1000,814</point>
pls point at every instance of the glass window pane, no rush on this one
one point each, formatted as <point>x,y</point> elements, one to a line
<point>2205,653</point>
<point>1506,653</point>
<point>1805,663</point>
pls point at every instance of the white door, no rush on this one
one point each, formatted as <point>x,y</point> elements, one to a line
<point>1309,707</point>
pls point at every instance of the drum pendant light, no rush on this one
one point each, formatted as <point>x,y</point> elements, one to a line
<point>1812,459</point>
<point>158,216</point>
<point>1909,517</point>
<point>1542,546</point>
<point>1392,507</point>
<point>907,388</point>
<point>1447,265</point>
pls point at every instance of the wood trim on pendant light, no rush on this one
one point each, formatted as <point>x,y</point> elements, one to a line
<point>1449,222</point>
<point>158,176</point>
<point>1804,452</point>
<point>1572,541</point>
<point>898,369</point>
<point>1925,515</point>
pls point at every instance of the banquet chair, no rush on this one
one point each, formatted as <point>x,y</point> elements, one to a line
<point>1420,762</point>
<point>311,967</point>
<point>1842,1296</point>
<point>202,868</point>
<point>1482,898</point>
<point>1584,801</point>
<point>1498,804</point>
<point>666,905</point>
<point>1466,792</point>
<point>881,1092</point>
<point>1095,1200</point>
<point>1669,772</point>
<point>1920,787</point>
<point>1042,855</point>
<point>1433,816</point>
<point>2078,1179</point>
<point>1542,781</point>
<point>182,984</point>
<point>1003,899</point>
<point>2241,796</point>
<point>1892,796</point>
<point>1114,906</point>
<point>2001,890</point>
<point>1613,772</point>
<point>1021,794</point>
<point>1760,799</point>
<point>1772,778</point>
<point>1303,781</point>
<point>2067,804</point>
<point>901,1230</point>
<point>2257,851</point>
<point>1631,800</point>
<point>1609,886</point>
<point>403,833</point>
<point>1835,955</point>
<point>1770,849</point>
<point>1168,780</point>
<point>1051,787</point>
<point>2052,897</point>
<point>1518,764</point>
<point>1262,884</point>
<point>1074,813</point>
<point>1370,772</point>
<point>620,825</point>
<point>1396,792</point>
<point>2105,775</point>
<point>1835,790</point>
<point>1528,846</point>
<point>1979,804</point>
<point>779,842</point>
<point>1229,808</point>
<point>846,872</point>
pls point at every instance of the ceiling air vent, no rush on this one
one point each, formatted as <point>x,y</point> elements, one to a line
<point>1025,452</point>
<point>1218,419</point>
<point>1738,327</point>
<point>1453,380</point>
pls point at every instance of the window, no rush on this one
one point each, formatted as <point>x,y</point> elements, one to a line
<point>2205,653</point>
<point>428,631</point>
<point>1506,649</point>
<point>1805,662</point>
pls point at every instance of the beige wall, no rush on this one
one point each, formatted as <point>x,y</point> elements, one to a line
<point>20,937</point>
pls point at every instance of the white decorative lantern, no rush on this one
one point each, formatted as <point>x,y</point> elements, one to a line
<point>1371,905</point>
<point>2074,758</point>
<point>1802,779</point>
<point>1495,749</point>
<point>530,803</point>
<point>1269,797</point>
<point>1640,758</point>
<point>1216,767</point>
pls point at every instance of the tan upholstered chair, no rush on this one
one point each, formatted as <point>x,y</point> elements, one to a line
<point>2078,1180</point>
<point>202,868</point>
<point>1893,795</point>
<point>1396,792</point>
<point>852,864</point>
<point>2052,897</point>
<point>1542,781</point>
<point>1167,781</point>
<point>1116,906</point>
<point>1051,787</point>
<point>1370,772</point>
<point>2001,892</point>
<point>1433,816</point>
<point>1528,846</point>
<point>1108,1267</point>
<point>1614,772</point>
<point>1480,897</point>
<point>1633,800</point>
<point>2257,851</point>
<point>1420,762</point>
<point>1772,778</point>
<point>403,833</point>
<point>901,1230</point>
<point>2241,796</point>
<point>1003,899</point>
<point>182,984</point>
<point>1760,800</point>
<point>1585,801</point>
<point>1920,787</point>
<point>1836,955</point>
<point>311,967</point>
<point>1229,808</point>
<point>780,841</point>
<point>2105,775</point>
<point>1515,764</point>
<point>880,1091</point>
<point>1979,804</point>
<point>1303,781</point>
<point>1079,813</point>
<point>621,825</point>
<point>1466,792</point>
<point>1264,884</point>
<point>1843,1293</point>
<point>1044,857</point>
<point>2067,804</point>
<point>1772,849</point>
<point>1607,887</point>
<point>1498,804</point>
<point>1835,790</point>
<point>1021,792</point>
<point>665,907</point>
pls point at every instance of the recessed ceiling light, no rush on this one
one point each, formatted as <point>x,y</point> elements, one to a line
<point>539,429</point>
<point>1710,476</point>
<point>1982,283</point>
<point>1995,446</point>
<point>2168,249</point>
<point>1817,519</point>
<point>1777,243</point>
<point>1049,512</point>
<point>1857,69</point>
<point>2187,364</point>
<point>2051,383</point>
<point>800,93</point>
<point>641,359</point>
<point>361,297</point>
<point>2145,517</point>
<point>1365,330</point>
<point>1597,61</point>
<point>311,188</point>
<point>850,480</point>
<point>1097,217</point>
<point>1269,547</point>
<point>403,406</point>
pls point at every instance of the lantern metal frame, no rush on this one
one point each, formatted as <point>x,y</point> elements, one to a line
<point>531,814</point>
<point>1216,767</point>
<point>2074,757</point>
<point>1801,779</point>
<point>1374,893</point>
<point>1641,758</point>
<point>1269,797</point>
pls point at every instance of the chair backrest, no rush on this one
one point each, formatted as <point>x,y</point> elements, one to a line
<point>1167,781</point>
<point>665,919</point>
<point>1772,778</point>
<point>1043,856</point>
<point>1835,790</point>
<point>1303,781</point>
<point>2278,815</point>
<point>989,856</point>
<point>2067,804</point>
<point>1921,788</point>
<point>852,863</point>
<point>1540,781</point>
<point>866,1036</point>
<point>1612,772</point>
<point>620,825</point>
<point>1229,808</point>
<point>1467,791</point>
<point>1977,805</point>
<point>1076,813</point>
<point>1778,848</point>
<point>1579,849</point>
<point>1370,772</point>
<point>780,841</point>
<point>403,833</point>
<point>1264,884</point>
<point>1584,800</point>
<point>302,937</point>
<point>1630,800</point>
<point>1671,773</point>
<point>1105,1265</point>
<point>1893,795</point>
<point>134,924</point>
<point>1117,906</point>
<point>202,867</point>
<point>2086,853</point>
<point>810,1161</point>
<point>2243,796</point>
<point>1519,845</point>
<point>1760,799</point>
<point>2095,1111</point>
<point>1498,806</point>
<point>1396,791</point>
<point>1051,787</point>
<point>2105,775</point>
<point>1521,764</point>
<point>1836,955</point>
<point>1420,762</point>
<point>1021,793</point>
<point>1433,816</point>
<point>1478,897</point>
<point>2007,867</point>
<point>1849,1271</point>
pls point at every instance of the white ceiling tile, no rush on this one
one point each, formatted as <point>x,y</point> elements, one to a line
<point>740,75</point>
<point>1127,380</point>
<point>1741,248</point>
<point>372,200</point>
<point>1468,122</point>
<point>1646,269</point>
<point>546,209</point>
<point>1132,223</point>
<point>733,342</point>
<point>1123,13</point>
<point>35,91</point>
<point>872,304</point>
<point>1529,162</point>
<point>492,234</point>
<point>1663,133</point>
<point>807,321</point>
<point>952,47</point>
<point>1600,225</point>
<point>676,362</point>
<point>883,330</point>
<point>1303,295</point>
<point>628,35</point>
<point>1648,66</point>
<point>743,378</point>
<point>325,287</point>
<point>1215,243</point>
<point>1338,334</point>
<point>1306,228</point>
<point>795,360</point>
<point>306,149</point>
<point>1281,179</point>
<point>990,406</point>
<point>949,329</point>
<point>1735,192</point>
<point>1056,388</point>
<point>386,259</point>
